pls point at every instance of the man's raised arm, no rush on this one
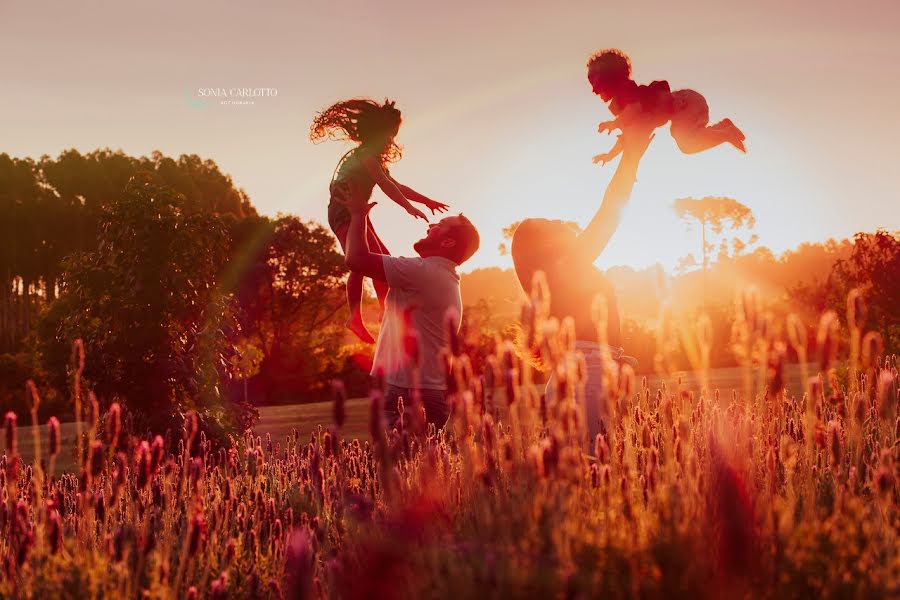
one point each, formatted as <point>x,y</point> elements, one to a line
<point>597,234</point>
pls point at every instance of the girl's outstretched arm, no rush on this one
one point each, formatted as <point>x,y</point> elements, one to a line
<point>388,186</point>
<point>415,196</point>
<point>596,235</point>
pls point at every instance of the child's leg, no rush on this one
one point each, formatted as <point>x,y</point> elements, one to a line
<point>698,139</point>
<point>354,300</point>
<point>354,294</point>
<point>376,245</point>
<point>691,129</point>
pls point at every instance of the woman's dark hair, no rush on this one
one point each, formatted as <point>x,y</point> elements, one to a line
<point>539,244</point>
<point>360,120</point>
<point>534,244</point>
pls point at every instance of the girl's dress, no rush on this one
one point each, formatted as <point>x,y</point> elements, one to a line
<point>349,170</point>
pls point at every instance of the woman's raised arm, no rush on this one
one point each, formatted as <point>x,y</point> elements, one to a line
<point>596,235</point>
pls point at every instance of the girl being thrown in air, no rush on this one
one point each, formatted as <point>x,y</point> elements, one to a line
<point>651,106</point>
<point>373,127</point>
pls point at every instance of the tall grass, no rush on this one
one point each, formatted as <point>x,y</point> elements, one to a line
<point>750,493</point>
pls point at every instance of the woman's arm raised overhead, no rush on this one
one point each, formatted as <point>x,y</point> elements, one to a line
<point>597,234</point>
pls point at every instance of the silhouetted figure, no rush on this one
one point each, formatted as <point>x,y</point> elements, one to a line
<point>373,126</point>
<point>566,258</point>
<point>424,292</point>
<point>652,106</point>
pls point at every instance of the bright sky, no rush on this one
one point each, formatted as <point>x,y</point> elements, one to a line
<point>499,120</point>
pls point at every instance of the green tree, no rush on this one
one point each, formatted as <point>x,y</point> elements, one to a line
<point>715,214</point>
<point>874,268</point>
<point>291,297</point>
<point>245,363</point>
<point>52,207</point>
<point>22,236</point>
<point>146,303</point>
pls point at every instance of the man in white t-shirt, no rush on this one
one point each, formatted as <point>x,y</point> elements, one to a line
<point>423,291</point>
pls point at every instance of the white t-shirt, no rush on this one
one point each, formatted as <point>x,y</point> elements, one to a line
<point>425,289</point>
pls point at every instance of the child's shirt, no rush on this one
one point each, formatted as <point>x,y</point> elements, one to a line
<point>655,100</point>
<point>350,174</point>
<point>351,170</point>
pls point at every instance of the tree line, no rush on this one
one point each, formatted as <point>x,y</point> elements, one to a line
<point>184,296</point>
<point>813,278</point>
<point>50,208</point>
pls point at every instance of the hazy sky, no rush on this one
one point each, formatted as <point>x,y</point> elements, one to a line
<point>499,120</point>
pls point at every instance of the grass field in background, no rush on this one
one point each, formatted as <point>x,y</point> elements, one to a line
<point>278,421</point>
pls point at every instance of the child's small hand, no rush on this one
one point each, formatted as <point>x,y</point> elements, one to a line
<point>604,158</point>
<point>416,213</point>
<point>435,207</point>
<point>608,127</point>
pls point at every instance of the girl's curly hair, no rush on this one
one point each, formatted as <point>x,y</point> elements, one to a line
<point>609,64</point>
<point>361,120</point>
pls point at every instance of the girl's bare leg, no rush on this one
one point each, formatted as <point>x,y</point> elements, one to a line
<point>354,296</point>
<point>354,300</point>
<point>381,290</point>
<point>376,245</point>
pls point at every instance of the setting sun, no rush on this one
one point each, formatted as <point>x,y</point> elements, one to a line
<point>497,123</point>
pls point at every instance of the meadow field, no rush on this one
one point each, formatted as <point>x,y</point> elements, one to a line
<point>643,265</point>
<point>281,421</point>
<point>771,481</point>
